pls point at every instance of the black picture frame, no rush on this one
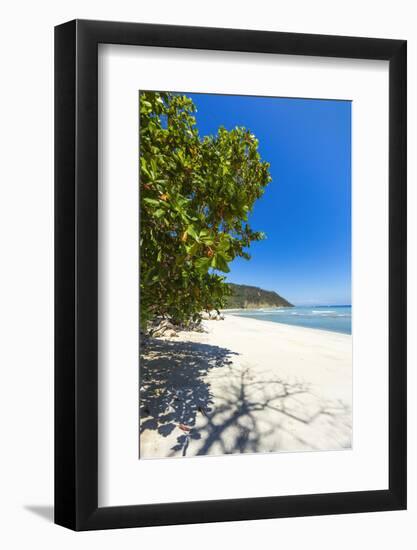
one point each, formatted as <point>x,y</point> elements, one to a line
<point>76,272</point>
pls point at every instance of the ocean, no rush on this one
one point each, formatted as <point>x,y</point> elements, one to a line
<point>333,318</point>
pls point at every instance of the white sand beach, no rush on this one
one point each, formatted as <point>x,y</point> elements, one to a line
<point>245,386</point>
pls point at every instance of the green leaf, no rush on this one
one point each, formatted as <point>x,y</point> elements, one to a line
<point>221,264</point>
<point>151,201</point>
<point>202,264</point>
<point>192,232</point>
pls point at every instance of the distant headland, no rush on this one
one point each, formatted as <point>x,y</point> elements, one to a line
<point>252,297</point>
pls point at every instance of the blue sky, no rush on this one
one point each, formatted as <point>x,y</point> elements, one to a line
<point>306,209</point>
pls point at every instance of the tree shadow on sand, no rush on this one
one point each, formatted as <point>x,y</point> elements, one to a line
<point>253,412</point>
<point>260,414</point>
<point>173,389</point>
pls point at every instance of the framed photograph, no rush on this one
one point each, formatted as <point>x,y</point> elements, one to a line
<point>230,252</point>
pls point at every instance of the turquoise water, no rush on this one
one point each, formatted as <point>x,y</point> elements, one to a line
<point>334,318</point>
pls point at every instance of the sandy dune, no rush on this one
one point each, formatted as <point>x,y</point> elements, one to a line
<point>243,386</point>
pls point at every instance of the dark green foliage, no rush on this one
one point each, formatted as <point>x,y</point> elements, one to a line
<point>244,296</point>
<point>195,197</point>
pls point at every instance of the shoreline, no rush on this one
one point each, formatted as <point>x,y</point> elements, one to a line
<point>249,313</point>
<point>314,329</point>
<point>246,385</point>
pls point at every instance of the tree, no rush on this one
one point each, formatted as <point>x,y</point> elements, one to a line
<point>195,197</point>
